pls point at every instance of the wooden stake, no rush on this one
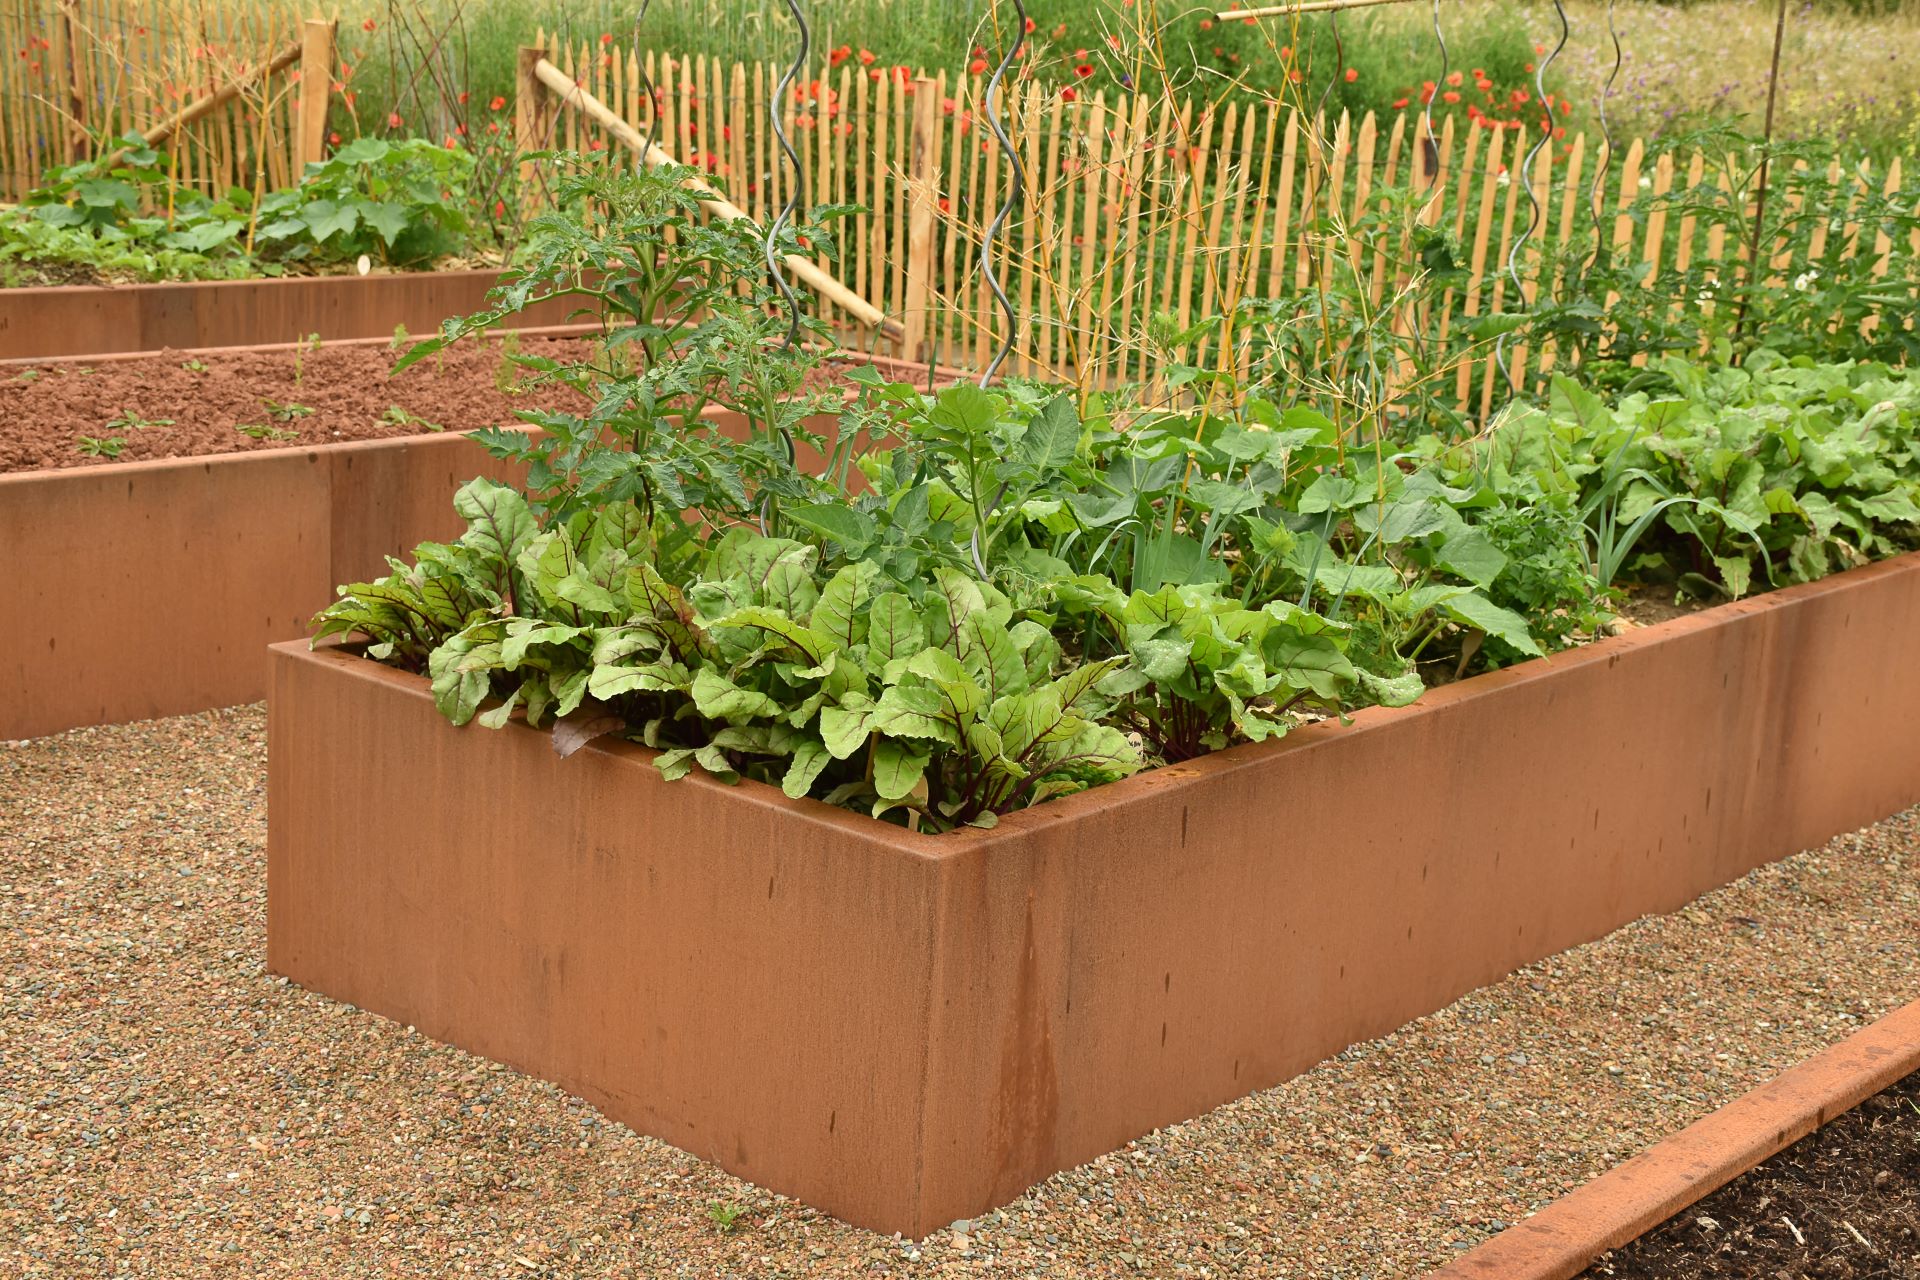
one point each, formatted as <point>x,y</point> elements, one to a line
<point>316,78</point>
<point>922,192</point>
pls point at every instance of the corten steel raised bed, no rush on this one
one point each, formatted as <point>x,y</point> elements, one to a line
<point>143,589</point>
<point>1563,1239</point>
<point>905,1029</point>
<point>94,320</point>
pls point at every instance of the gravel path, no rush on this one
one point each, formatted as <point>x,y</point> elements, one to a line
<point>168,1109</point>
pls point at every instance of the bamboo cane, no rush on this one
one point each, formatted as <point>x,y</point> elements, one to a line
<point>1309,6</point>
<point>575,95</point>
<point>224,94</point>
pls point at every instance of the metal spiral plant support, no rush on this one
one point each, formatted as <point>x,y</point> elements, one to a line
<point>1339,68</point>
<point>787,210</point>
<point>647,90</point>
<point>1016,188</point>
<point>1598,192</point>
<point>1432,140</point>
<point>1536,214</point>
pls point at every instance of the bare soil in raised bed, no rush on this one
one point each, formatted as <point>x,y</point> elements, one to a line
<point>46,409</point>
<point>200,401</point>
<point>1843,1203</point>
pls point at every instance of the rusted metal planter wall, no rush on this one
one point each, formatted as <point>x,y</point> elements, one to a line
<point>146,589</point>
<point>904,1029</point>
<point>91,320</point>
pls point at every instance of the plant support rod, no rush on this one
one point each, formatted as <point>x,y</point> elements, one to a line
<point>1308,6</point>
<point>822,282</point>
<point>201,106</point>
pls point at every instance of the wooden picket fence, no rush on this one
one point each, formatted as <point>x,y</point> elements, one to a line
<point>76,73</point>
<point>1136,206</point>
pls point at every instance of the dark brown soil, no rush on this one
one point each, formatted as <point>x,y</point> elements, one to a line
<point>1843,1203</point>
<point>46,410</point>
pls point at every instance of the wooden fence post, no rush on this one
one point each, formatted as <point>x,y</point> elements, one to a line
<point>923,191</point>
<point>316,82</point>
<point>80,137</point>
<point>533,114</point>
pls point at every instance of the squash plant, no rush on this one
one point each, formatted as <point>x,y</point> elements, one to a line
<point>394,201</point>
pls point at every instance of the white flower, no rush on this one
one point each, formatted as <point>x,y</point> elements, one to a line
<point>1804,281</point>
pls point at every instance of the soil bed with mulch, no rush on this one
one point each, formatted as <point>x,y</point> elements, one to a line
<point>199,402</point>
<point>1843,1203</point>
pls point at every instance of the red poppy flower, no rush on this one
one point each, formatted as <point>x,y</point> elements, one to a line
<point>977,66</point>
<point>1353,73</point>
<point>1083,71</point>
<point>393,120</point>
<point>498,104</point>
<point>368,25</point>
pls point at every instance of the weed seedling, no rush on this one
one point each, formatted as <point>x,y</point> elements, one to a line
<point>128,420</point>
<point>504,380</point>
<point>301,349</point>
<point>260,431</point>
<point>194,366</point>
<point>399,338</point>
<point>725,1216</point>
<point>286,412</point>
<point>399,417</point>
<point>31,375</point>
<point>101,446</point>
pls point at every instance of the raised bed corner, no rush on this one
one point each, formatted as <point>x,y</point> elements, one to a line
<point>904,1030</point>
<point>1564,1238</point>
<point>147,589</point>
